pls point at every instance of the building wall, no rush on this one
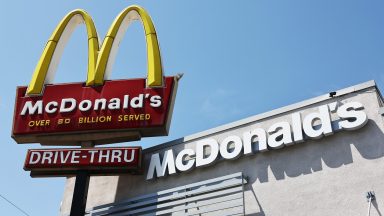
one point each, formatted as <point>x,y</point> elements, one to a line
<point>326,176</point>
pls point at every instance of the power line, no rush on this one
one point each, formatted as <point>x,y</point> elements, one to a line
<point>14,205</point>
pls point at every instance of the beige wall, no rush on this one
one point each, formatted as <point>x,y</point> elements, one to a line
<point>328,176</point>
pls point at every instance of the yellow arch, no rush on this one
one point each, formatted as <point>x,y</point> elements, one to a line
<point>101,60</point>
<point>112,39</point>
<point>45,67</point>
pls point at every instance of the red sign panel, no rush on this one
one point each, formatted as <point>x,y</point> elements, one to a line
<point>119,110</point>
<point>94,160</point>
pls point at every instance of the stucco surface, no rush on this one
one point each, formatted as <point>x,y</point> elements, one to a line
<point>327,176</point>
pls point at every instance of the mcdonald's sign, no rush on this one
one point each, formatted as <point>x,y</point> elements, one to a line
<point>99,110</point>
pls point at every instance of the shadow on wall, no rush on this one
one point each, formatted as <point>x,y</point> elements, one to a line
<point>305,158</point>
<point>300,159</point>
<point>374,203</point>
<point>261,211</point>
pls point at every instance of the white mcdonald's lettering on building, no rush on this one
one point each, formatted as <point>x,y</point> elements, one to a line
<point>314,125</point>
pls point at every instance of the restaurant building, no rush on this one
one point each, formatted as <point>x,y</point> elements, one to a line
<point>322,156</point>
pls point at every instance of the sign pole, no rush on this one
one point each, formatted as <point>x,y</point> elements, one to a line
<point>80,191</point>
<point>115,113</point>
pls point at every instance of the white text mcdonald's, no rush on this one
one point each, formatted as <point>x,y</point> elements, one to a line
<point>99,110</point>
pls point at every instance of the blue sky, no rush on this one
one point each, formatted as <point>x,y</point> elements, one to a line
<point>239,58</point>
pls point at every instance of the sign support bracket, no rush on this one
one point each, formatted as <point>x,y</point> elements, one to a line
<point>80,191</point>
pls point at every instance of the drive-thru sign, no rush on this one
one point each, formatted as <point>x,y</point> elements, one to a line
<point>64,162</point>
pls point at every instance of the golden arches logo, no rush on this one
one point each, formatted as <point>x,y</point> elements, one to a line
<point>100,59</point>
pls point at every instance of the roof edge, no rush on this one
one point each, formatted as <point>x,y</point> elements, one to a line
<point>264,115</point>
